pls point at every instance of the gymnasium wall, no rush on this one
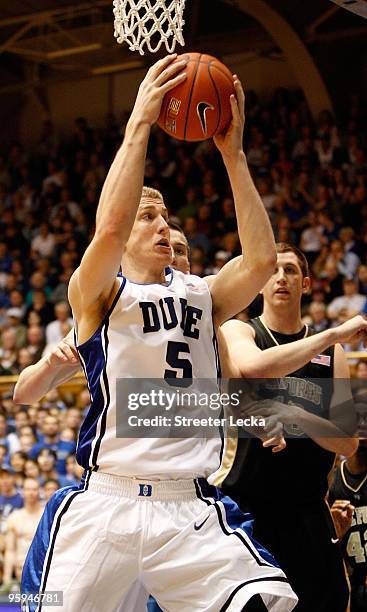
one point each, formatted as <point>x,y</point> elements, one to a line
<point>95,97</point>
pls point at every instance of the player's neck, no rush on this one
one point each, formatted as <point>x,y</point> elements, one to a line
<point>357,465</point>
<point>137,274</point>
<point>283,320</point>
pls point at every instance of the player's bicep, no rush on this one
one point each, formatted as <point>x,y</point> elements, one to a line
<point>97,272</point>
<point>234,288</point>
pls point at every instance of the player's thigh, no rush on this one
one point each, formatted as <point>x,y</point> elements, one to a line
<point>135,600</point>
<point>209,564</point>
<point>92,552</point>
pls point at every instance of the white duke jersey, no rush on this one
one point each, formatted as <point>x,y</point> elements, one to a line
<point>151,331</point>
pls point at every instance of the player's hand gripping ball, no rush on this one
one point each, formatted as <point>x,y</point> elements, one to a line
<point>199,108</point>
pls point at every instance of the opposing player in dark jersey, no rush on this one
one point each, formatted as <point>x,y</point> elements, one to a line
<point>348,492</point>
<point>286,491</point>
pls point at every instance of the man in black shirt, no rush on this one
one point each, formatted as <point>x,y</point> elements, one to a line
<point>285,491</point>
<point>348,494</point>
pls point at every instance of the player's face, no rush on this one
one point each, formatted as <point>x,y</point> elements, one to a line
<point>149,239</point>
<point>180,251</point>
<point>287,284</point>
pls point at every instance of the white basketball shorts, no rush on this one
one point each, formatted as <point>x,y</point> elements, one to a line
<point>184,541</point>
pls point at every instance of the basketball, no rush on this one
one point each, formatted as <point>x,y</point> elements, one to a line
<point>198,108</point>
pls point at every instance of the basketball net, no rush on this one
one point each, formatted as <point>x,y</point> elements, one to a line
<point>138,21</point>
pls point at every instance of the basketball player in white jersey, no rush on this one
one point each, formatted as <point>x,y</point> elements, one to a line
<point>145,510</point>
<point>63,363</point>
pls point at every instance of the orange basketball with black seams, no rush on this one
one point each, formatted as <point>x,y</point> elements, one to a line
<point>199,108</point>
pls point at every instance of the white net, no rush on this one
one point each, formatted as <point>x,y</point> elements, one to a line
<point>149,23</point>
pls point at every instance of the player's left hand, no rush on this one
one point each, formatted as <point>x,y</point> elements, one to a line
<point>230,142</point>
<point>274,435</point>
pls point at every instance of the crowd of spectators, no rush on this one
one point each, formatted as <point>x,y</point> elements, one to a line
<point>312,177</point>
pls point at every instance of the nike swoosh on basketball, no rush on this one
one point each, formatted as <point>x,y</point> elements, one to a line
<point>197,527</point>
<point>334,540</point>
<point>201,109</point>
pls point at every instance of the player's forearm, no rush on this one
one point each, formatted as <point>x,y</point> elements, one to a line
<point>122,189</point>
<point>286,358</point>
<point>340,446</point>
<point>38,379</point>
<point>326,434</point>
<point>33,382</point>
<point>254,229</point>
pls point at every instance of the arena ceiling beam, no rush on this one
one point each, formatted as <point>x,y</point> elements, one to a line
<point>295,52</point>
<point>65,12</point>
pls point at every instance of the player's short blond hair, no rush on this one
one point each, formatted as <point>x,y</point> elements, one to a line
<point>151,194</point>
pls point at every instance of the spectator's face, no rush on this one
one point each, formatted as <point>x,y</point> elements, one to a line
<point>49,489</point>
<point>39,299</point>
<point>21,419</point>
<point>230,242</point>
<point>31,469</point>
<point>34,336</point>
<point>32,415</point>
<point>16,298</point>
<point>34,318</point>
<point>43,230</point>
<point>361,370</point>
<point>50,426</point>
<point>228,206</point>
<point>349,288</point>
<point>31,491</point>
<point>84,398</point>
<point>317,312</point>
<point>190,225</point>
<point>62,312</point>
<point>38,281</point>
<point>24,358</point>
<point>17,462</point>
<point>180,251</point>
<point>6,482</point>
<point>73,418</point>
<point>26,440</point>
<point>287,284</point>
<point>8,338</point>
<point>46,461</point>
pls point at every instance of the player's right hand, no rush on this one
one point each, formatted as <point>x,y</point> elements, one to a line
<point>353,330</point>
<point>342,513</point>
<point>64,353</point>
<point>163,76</point>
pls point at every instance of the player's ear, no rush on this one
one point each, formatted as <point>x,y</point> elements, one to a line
<point>306,285</point>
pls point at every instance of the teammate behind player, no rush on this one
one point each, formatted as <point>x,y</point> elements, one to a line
<point>285,492</point>
<point>158,323</point>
